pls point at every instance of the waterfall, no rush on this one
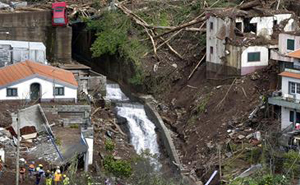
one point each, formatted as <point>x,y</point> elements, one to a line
<point>142,130</point>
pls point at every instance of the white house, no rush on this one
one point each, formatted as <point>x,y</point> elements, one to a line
<point>238,43</point>
<point>35,81</point>
<point>289,100</point>
<point>12,52</point>
<point>288,52</point>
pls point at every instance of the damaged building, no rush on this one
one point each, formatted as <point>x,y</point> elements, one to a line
<point>44,138</point>
<point>288,50</point>
<point>12,52</point>
<point>238,42</point>
<point>89,81</point>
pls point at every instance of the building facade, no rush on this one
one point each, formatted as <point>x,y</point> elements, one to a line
<point>238,43</point>
<point>12,52</point>
<point>289,99</point>
<point>37,82</point>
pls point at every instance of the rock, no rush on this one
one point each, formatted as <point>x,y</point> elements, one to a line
<point>228,154</point>
<point>155,67</point>
<point>210,145</point>
<point>249,136</point>
<point>117,158</point>
<point>199,183</point>
<point>174,65</point>
<point>218,87</point>
<point>241,136</point>
<point>231,134</point>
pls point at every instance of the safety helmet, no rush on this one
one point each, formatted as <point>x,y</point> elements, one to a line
<point>40,165</point>
<point>64,176</point>
<point>58,171</point>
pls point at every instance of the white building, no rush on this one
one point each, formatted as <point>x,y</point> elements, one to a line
<point>35,81</point>
<point>12,52</point>
<point>237,43</point>
<point>288,52</point>
<point>289,101</point>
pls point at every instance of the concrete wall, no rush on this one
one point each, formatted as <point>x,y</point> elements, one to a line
<point>285,117</point>
<point>249,67</point>
<point>282,43</point>
<point>164,132</point>
<point>46,90</point>
<point>63,44</point>
<point>215,38</point>
<point>36,26</point>
<point>68,114</point>
<point>265,24</point>
<point>31,116</point>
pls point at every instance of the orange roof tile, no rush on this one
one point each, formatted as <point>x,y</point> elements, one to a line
<point>22,70</point>
<point>294,54</point>
<point>290,74</point>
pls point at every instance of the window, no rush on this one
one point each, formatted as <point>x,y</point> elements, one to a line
<point>254,57</point>
<point>59,91</point>
<point>11,92</point>
<point>292,87</point>
<point>211,50</point>
<point>291,44</point>
<point>59,20</point>
<point>292,117</point>
<point>211,25</point>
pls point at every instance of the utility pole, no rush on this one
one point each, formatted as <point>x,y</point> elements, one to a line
<point>18,149</point>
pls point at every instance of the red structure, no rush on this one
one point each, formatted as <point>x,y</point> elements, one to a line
<point>59,17</point>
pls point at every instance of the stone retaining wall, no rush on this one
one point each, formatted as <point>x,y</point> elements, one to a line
<point>164,131</point>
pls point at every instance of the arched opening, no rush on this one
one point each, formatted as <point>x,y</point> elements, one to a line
<point>35,91</point>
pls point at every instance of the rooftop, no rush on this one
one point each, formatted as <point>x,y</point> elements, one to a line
<point>294,54</point>
<point>254,12</point>
<point>290,74</point>
<point>23,70</point>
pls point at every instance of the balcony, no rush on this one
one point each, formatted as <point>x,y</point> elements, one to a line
<point>287,100</point>
<point>275,55</point>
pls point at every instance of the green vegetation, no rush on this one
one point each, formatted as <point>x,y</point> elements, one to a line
<point>119,168</point>
<point>116,35</point>
<point>261,179</point>
<point>74,126</point>
<point>58,141</point>
<point>291,164</point>
<point>109,145</point>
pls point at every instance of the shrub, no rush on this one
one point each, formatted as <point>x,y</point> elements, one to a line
<point>119,168</point>
<point>291,163</point>
<point>109,145</point>
<point>259,179</point>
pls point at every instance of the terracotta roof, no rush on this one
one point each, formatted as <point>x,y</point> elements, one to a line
<point>294,54</point>
<point>290,74</point>
<point>22,70</point>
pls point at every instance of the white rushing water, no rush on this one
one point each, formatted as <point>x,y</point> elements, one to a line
<point>142,130</point>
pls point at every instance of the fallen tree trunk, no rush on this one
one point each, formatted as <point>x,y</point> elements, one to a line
<point>140,22</point>
<point>196,66</point>
<point>181,27</point>
<point>249,5</point>
<point>173,27</point>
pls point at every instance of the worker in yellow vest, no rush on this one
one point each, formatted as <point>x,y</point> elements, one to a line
<point>66,180</point>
